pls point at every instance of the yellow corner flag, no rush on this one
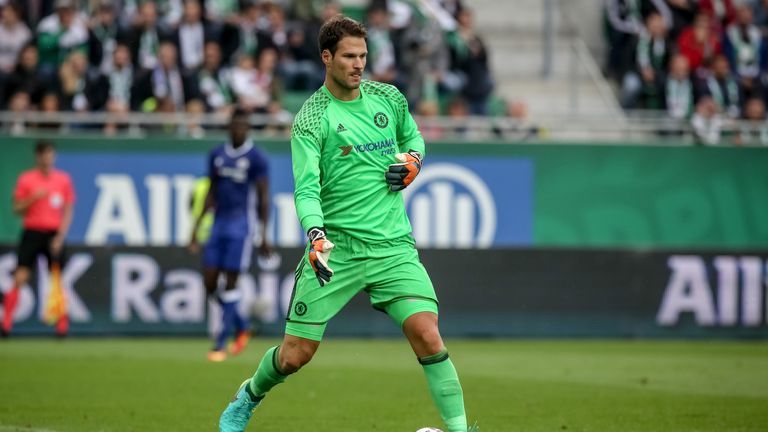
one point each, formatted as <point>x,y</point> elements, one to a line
<point>56,305</point>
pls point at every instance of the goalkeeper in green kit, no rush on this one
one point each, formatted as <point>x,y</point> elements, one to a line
<point>354,147</point>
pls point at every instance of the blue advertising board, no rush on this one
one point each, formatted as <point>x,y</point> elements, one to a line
<point>143,199</point>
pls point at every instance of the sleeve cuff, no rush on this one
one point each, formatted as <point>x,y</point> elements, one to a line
<point>312,221</point>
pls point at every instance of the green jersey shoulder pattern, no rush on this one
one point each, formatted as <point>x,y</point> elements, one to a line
<point>340,151</point>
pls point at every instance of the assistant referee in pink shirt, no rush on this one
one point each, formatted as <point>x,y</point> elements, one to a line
<point>44,197</point>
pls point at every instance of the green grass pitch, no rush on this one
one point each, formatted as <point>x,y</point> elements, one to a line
<point>377,385</point>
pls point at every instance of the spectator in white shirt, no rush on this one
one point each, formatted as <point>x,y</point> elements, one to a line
<point>191,36</point>
<point>706,122</point>
<point>14,34</point>
<point>214,81</point>
<point>120,80</point>
<point>251,87</point>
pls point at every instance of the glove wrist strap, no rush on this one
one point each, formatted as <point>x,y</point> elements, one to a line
<point>315,233</point>
<point>415,154</point>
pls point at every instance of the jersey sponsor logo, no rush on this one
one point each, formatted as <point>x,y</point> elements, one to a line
<point>381,120</point>
<point>236,174</point>
<point>345,150</point>
<point>451,206</point>
<point>340,128</point>
<point>386,147</point>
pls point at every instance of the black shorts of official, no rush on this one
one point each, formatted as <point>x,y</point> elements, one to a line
<point>34,243</point>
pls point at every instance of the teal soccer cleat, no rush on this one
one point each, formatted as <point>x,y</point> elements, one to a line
<point>235,417</point>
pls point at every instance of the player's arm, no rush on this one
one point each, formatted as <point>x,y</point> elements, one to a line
<point>20,206</point>
<point>23,197</point>
<point>305,159</point>
<point>411,146</point>
<point>57,243</point>
<point>306,145</point>
<point>259,174</point>
<point>262,190</point>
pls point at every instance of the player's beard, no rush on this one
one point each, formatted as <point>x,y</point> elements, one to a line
<point>348,83</point>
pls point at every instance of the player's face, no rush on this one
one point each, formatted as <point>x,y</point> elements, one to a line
<point>346,66</point>
<point>238,130</point>
<point>46,159</point>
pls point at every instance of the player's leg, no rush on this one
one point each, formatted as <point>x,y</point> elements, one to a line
<point>280,361</point>
<point>275,366</point>
<point>228,300</point>
<point>229,256</point>
<point>238,325</point>
<point>236,258</point>
<point>309,311</point>
<point>212,261</point>
<point>211,282</point>
<point>422,332</point>
<point>11,298</point>
<point>402,289</point>
<point>29,246</point>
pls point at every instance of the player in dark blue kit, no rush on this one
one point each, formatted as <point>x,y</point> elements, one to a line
<point>239,191</point>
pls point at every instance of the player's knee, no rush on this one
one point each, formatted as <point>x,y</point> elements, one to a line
<point>21,276</point>
<point>433,343</point>
<point>210,285</point>
<point>428,338</point>
<point>295,355</point>
<point>231,281</point>
<point>293,362</point>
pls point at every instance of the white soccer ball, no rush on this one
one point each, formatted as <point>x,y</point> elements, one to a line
<point>429,429</point>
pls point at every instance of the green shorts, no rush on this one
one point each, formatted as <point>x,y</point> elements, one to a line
<point>389,272</point>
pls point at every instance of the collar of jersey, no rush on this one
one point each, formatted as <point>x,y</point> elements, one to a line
<point>237,152</point>
<point>356,100</point>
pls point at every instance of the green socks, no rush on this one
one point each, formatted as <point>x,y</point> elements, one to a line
<point>268,374</point>
<point>446,390</point>
<point>441,376</point>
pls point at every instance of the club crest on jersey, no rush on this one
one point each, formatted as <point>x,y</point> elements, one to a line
<point>243,163</point>
<point>345,150</point>
<point>381,120</point>
<point>300,308</point>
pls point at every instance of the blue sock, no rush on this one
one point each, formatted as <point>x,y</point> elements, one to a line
<point>229,318</point>
<point>240,322</point>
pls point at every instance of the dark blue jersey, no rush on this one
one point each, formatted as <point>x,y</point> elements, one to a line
<point>235,171</point>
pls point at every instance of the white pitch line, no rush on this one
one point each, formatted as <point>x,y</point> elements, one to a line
<point>12,428</point>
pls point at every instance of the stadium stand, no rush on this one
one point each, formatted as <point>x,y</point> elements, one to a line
<point>580,70</point>
<point>174,56</point>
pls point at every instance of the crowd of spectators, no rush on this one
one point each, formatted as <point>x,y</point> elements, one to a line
<point>209,56</point>
<point>698,61</point>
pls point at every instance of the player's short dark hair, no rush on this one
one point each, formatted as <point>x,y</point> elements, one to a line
<point>239,114</point>
<point>335,29</point>
<point>43,146</point>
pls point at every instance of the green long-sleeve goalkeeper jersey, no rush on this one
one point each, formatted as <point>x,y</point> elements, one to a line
<point>340,151</point>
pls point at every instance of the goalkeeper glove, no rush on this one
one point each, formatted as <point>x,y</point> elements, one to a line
<point>402,174</point>
<point>319,254</point>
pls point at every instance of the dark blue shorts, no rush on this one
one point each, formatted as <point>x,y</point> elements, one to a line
<point>228,253</point>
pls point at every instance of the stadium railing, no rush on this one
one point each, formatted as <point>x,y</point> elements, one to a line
<point>560,126</point>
